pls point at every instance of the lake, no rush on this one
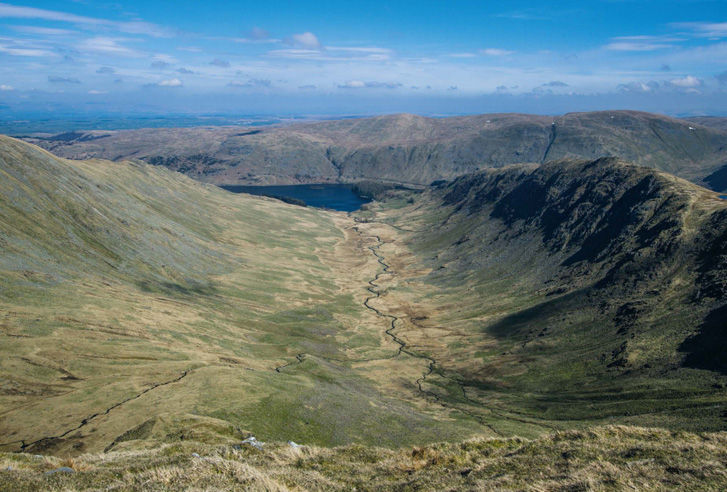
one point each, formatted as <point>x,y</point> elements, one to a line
<point>723,197</point>
<point>334,196</point>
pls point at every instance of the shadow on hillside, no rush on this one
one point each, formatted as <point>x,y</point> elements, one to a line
<point>718,179</point>
<point>536,317</point>
<point>708,348</point>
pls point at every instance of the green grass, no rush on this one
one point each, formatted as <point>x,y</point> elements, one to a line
<point>126,275</point>
<point>152,316</point>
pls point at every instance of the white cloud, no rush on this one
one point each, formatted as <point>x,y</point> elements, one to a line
<point>685,82</point>
<point>704,29</point>
<point>363,53</point>
<point>108,46</point>
<point>383,85</point>
<point>11,11</point>
<point>134,27</point>
<point>164,58</point>
<point>256,41</point>
<point>631,46</point>
<point>642,43</point>
<point>175,82</point>
<point>43,31</point>
<point>252,83</point>
<point>306,40</point>
<point>335,53</point>
<point>16,50</point>
<point>496,52</point>
<point>95,92</point>
<point>147,28</point>
<point>353,84</point>
<point>639,86</point>
<point>295,53</point>
<point>359,84</point>
<point>359,49</point>
<point>4,87</point>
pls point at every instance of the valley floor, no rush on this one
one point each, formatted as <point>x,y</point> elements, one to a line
<point>362,360</point>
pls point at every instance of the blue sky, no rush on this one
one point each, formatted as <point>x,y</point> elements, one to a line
<point>362,57</point>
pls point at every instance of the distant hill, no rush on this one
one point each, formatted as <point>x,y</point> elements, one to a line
<point>407,148</point>
<point>718,122</point>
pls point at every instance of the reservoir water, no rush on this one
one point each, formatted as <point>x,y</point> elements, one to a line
<point>334,196</point>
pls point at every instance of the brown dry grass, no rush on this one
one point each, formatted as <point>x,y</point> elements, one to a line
<point>602,458</point>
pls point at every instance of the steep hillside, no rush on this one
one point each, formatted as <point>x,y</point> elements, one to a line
<point>406,148</point>
<point>128,291</point>
<point>567,293</point>
<point>147,317</point>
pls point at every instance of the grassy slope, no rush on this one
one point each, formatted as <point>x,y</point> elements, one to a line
<point>145,314</point>
<point>611,458</point>
<point>124,283</point>
<point>566,295</point>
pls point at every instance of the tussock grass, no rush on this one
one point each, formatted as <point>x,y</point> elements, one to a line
<point>600,458</point>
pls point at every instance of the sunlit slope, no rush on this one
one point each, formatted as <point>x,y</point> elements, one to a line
<point>606,458</point>
<point>567,294</point>
<point>128,291</point>
<point>409,148</point>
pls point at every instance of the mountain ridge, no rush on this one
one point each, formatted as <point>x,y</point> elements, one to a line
<point>408,148</point>
<point>580,284</point>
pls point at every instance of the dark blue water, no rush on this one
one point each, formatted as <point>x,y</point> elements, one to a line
<point>334,196</point>
<point>723,197</point>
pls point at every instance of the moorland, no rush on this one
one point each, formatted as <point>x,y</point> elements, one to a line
<point>548,313</point>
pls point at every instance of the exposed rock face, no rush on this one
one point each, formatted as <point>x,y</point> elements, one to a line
<point>595,212</point>
<point>618,224</point>
<point>407,148</point>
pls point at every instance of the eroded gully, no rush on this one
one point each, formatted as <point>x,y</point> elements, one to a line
<point>28,446</point>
